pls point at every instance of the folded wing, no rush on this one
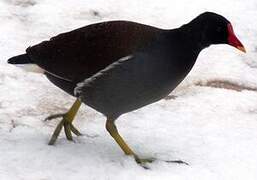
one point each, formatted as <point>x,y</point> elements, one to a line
<point>79,54</point>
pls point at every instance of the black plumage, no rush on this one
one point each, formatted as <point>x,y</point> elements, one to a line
<point>77,55</point>
<point>141,78</point>
<point>119,66</point>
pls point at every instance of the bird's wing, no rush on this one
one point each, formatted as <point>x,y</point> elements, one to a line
<point>131,77</point>
<point>79,54</point>
<point>101,75</point>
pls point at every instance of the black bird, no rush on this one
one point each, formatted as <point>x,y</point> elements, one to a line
<point>118,66</point>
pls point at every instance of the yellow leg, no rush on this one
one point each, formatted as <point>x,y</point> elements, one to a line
<point>66,122</point>
<point>73,111</point>
<point>112,129</point>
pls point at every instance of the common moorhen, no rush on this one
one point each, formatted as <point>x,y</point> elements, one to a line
<point>118,66</point>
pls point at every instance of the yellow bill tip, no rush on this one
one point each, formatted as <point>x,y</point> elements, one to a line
<point>241,48</point>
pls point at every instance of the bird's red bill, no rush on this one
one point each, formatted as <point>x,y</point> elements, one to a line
<point>233,40</point>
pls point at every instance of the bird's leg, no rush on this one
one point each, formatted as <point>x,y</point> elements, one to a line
<point>112,129</point>
<point>66,122</point>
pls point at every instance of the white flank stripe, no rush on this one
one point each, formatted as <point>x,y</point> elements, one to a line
<point>31,68</point>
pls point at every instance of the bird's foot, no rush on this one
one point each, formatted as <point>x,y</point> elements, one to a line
<point>176,161</point>
<point>143,161</point>
<point>68,127</point>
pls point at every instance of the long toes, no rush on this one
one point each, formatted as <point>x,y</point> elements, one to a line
<point>75,130</point>
<point>56,133</point>
<point>67,130</point>
<point>143,161</point>
<point>54,116</point>
<point>178,162</point>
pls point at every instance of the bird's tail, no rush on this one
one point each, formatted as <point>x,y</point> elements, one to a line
<point>25,63</point>
<point>20,59</point>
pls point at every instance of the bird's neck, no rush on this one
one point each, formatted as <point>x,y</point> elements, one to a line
<point>196,36</point>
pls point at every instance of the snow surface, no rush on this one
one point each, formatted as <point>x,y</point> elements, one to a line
<point>213,129</point>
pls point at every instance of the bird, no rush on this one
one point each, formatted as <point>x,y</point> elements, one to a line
<point>119,66</point>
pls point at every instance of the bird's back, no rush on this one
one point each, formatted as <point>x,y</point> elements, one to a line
<point>79,54</point>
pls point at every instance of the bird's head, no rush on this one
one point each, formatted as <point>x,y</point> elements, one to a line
<point>215,29</point>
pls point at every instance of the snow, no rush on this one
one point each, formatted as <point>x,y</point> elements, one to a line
<point>212,129</point>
